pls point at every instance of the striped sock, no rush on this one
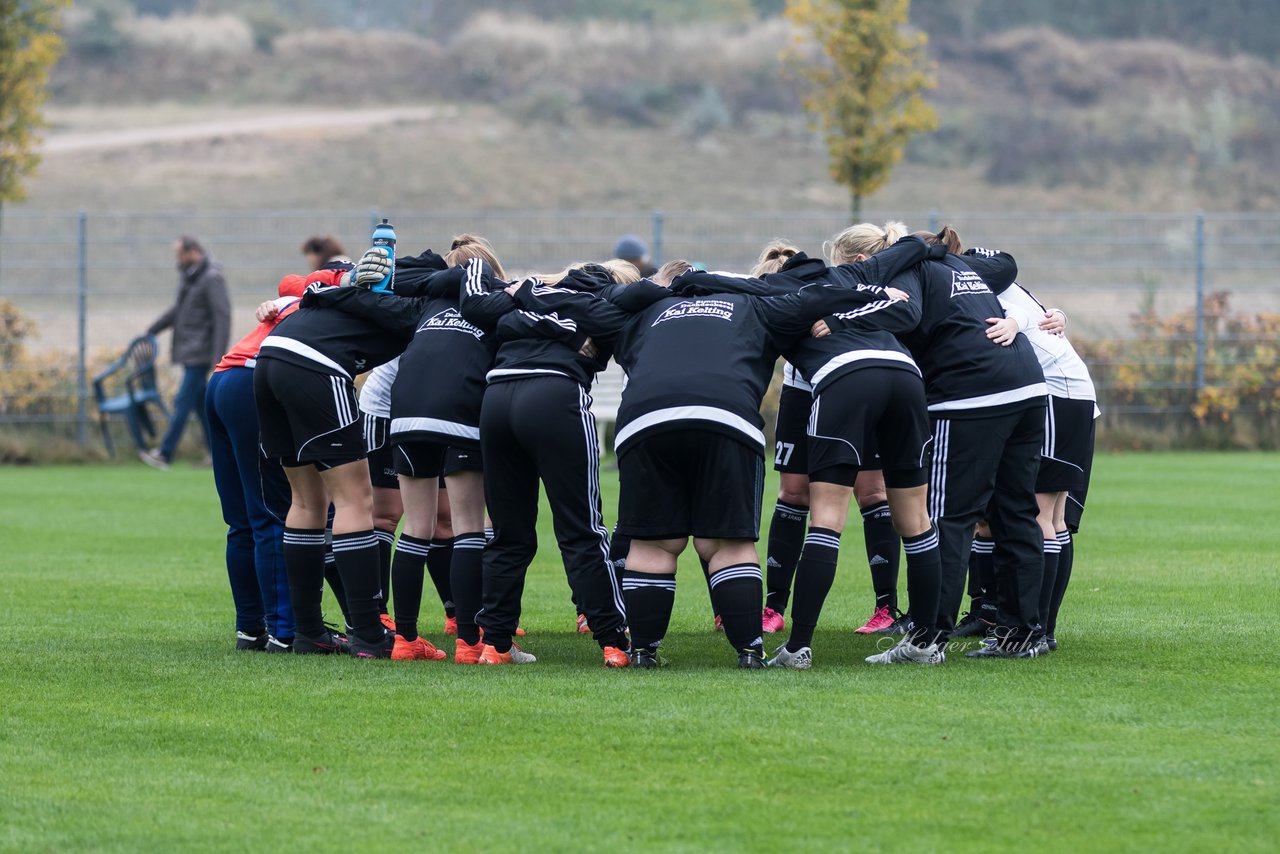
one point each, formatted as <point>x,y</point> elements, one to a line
<point>924,584</point>
<point>1065,560</point>
<point>786,537</point>
<point>650,598</point>
<point>304,554</point>
<point>737,592</point>
<point>1052,554</point>
<point>488,536</point>
<point>982,578</point>
<point>438,561</point>
<point>466,580</point>
<point>815,573</point>
<point>357,555</point>
<point>883,548</point>
<point>386,544</point>
<point>406,581</point>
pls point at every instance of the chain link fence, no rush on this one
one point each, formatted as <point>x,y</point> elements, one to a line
<point>91,281</point>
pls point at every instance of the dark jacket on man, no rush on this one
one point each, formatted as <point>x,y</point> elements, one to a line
<point>200,316</point>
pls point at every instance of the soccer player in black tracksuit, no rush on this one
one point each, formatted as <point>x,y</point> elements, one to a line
<point>987,404</point>
<point>691,448</point>
<point>435,431</point>
<point>536,424</point>
<point>309,421</point>
<point>868,410</point>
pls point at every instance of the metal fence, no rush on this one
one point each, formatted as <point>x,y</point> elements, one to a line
<point>92,280</point>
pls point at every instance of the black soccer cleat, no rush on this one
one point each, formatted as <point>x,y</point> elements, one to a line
<point>325,644</point>
<point>971,625</point>
<point>274,644</point>
<point>902,624</point>
<point>246,642</point>
<point>1051,642</point>
<point>647,659</point>
<point>749,659</point>
<point>380,648</point>
<point>993,648</point>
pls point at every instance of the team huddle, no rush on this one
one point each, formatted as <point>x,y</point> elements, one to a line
<point>920,380</point>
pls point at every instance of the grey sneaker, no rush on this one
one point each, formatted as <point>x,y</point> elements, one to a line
<point>801,659</point>
<point>155,459</point>
<point>905,652</point>
<point>993,648</point>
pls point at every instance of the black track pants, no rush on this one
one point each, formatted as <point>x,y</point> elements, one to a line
<point>989,465</point>
<point>542,429</point>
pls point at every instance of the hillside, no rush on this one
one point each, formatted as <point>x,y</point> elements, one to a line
<point>606,114</point>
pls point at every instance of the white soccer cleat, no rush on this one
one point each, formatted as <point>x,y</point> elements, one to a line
<point>905,652</point>
<point>801,659</point>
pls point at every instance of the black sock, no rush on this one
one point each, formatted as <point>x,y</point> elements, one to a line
<point>786,536</point>
<point>438,561</point>
<point>706,575</point>
<point>1065,560</point>
<point>736,593</point>
<point>332,576</point>
<point>386,544</point>
<point>1052,554</point>
<point>815,574</point>
<point>304,550</point>
<point>883,546</point>
<point>406,581</point>
<point>924,584</point>
<point>466,580</point>
<point>982,578</point>
<point>357,555</point>
<point>650,599</point>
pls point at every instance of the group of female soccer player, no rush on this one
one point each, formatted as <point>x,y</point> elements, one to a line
<point>919,380</point>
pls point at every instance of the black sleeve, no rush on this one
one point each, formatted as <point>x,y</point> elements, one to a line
<point>883,266</point>
<point>479,305</point>
<point>446,283</point>
<point>700,283</point>
<point>386,310</point>
<point>896,317</point>
<point>637,296</point>
<point>595,316</point>
<point>997,269</point>
<point>793,314</point>
<point>526,324</point>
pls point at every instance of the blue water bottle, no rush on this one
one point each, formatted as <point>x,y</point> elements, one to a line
<point>384,235</point>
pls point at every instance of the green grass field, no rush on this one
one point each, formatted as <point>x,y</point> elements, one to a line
<point>128,723</point>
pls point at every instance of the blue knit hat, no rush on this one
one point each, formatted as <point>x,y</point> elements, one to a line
<point>630,247</point>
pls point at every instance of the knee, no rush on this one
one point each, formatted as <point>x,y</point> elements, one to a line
<point>831,518</point>
<point>793,489</point>
<point>911,524</point>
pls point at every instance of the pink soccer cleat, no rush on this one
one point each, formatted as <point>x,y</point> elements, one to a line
<point>772,622</point>
<point>881,621</point>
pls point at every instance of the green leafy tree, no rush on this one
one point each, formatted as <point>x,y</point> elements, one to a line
<point>867,88</point>
<point>29,46</point>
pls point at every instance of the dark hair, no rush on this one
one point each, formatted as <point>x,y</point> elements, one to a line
<point>187,243</point>
<point>948,237</point>
<point>323,245</point>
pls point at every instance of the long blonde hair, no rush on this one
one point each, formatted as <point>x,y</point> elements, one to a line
<point>623,272</point>
<point>865,238</point>
<point>668,272</point>
<point>772,257</point>
<point>468,246</point>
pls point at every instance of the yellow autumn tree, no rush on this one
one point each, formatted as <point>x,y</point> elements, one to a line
<point>29,46</point>
<point>867,86</point>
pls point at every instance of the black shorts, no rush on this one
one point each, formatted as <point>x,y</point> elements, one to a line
<point>307,417</point>
<point>682,483</point>
<point>1076,497</point>
<point>382,469</point>
<point>791,445</point>
<point>432,459</point>
<point>867,419</point>
<point>1068,445</point>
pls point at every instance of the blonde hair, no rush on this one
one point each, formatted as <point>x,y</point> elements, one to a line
<point>863,239</point>
<point>772,257</point>
<point>468,246</point>
<point>622,272</point>
<point>667,272</point>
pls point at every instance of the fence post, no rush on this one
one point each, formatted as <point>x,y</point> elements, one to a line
<point>82,300</point>
<point>1200,332</point>
<point>933,220</point>
<point>655,255</point>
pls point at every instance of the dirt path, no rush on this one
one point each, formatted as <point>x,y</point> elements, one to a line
<point>59,143</point>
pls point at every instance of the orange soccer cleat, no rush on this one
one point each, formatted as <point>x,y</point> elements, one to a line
<point>614,657</point>
<point>418,649</point>
<point>513,656</point>
<point>583,628</point>
<point>465,653</point>
<point>388,623</point>
<point>450,625</point>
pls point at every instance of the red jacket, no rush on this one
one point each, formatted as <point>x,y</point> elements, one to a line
<point>245,351</point>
